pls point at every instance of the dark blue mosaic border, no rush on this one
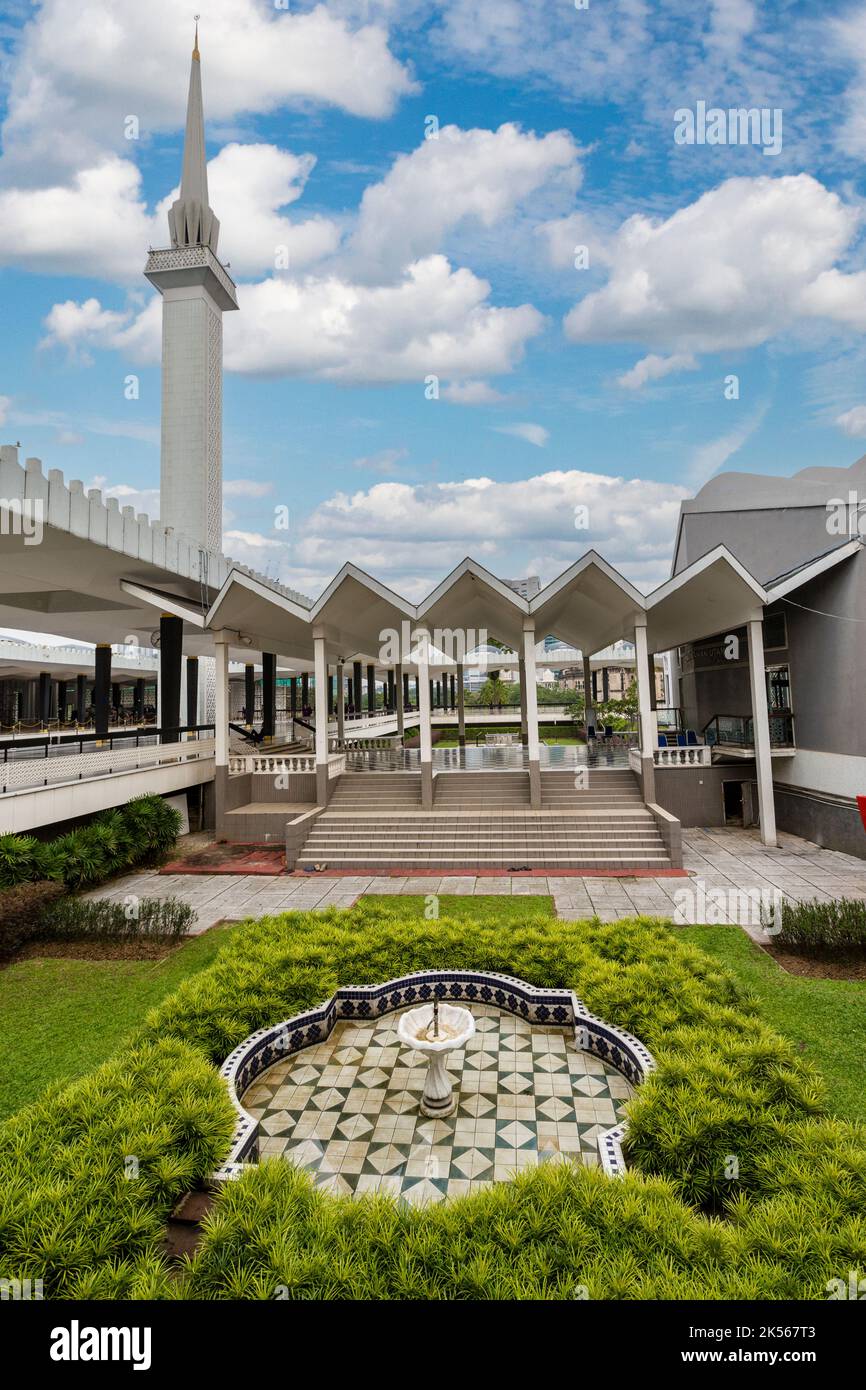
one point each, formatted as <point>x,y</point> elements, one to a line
<point>546,1007</point>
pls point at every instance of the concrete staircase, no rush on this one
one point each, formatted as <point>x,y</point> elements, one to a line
<point>484,821</point>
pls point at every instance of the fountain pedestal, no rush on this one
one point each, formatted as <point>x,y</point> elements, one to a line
<point>456,1027</point>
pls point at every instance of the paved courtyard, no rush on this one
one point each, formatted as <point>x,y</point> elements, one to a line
<point>348,1111</point>
<point>719,861</point>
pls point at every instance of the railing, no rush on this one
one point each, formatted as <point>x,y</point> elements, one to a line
<point>504,758</point>
<point>694,755</point>
<point>30,774</point>
<point>67,745</point>
<point>738,730</point>
<point>282,764</point>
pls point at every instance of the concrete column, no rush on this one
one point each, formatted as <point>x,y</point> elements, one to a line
<point>305,691</point>
<point>521,674</point>
<point>356,686</point>
<point>341,702</point>
<point>138,699</point>
<point>461,708</point>
<point>101,689</point>
<point>330,695</point>
<point>321,675</point>
<point>269,696</point>
<point>45,696</point>
<point>371,689</point>
<point>417,693</point>
<point>651,681</point>
<point>398,686</point>
<point>405,690</point>
<point>761,726</point>
<point>595,687</point>
<point>605,685</point>
<point>293,695</point>
<point>61,700</point>
<point>424,684</point>
<point>588,710</point>
<point>192,690</point>
<point>170,653</point>
<point>645,720</point>
<point>80,698</point>
<point>250,693</point>
<point>221,712</point>
<point>532,714</point>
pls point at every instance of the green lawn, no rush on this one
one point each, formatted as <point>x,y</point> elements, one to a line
<point>483,908</point>
<point>826,1018</point>
<point>61,1018</point>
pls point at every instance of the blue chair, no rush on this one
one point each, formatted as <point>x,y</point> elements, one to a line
<point>681,741</point>
<point>590,731</point>
<point>608,731</point>
<point>663,742</point>
<point>693,739</point>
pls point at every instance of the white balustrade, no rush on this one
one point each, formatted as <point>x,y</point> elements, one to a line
<point>693,755</point>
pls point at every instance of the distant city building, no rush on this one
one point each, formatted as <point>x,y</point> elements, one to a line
<point>526,588</point>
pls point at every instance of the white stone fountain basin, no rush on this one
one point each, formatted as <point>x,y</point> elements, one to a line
<point>456,1027</point>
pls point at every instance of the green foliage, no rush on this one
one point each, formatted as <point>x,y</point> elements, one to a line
<point>142,830</point>
<point>559,1232</point>
<point>19,859</point>
<point>24,910</point>
<point>835,928</point>
<point>162,918</point>
<point>89,1173</point>
<point>779,1222</point>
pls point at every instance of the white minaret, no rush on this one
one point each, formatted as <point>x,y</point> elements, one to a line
<point>196,290</point>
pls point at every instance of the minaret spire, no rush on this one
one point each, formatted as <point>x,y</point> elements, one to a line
<point>196,291</point>
<point>190,220</point>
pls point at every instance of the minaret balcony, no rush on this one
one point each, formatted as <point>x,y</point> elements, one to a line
<point>178,266</point>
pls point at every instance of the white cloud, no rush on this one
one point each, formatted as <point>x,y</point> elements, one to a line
<point>708,458</point>
<point>385,462</point>
<point>464,175</point>
<point>97,224</point>
<point>532,434</point>
<point>76,326</point>
<point>472,393</point>
<point>654,368</point>
<point>853,422</point>
<point>246,487</point>
<point>744,262</point>
<point>730,22</point>
<point>83,68</point>
<point>435,321</point>
<point>5,402</point>
<point>410,536</point>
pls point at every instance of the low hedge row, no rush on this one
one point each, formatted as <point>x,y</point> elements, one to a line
<point>142,830</point>
<point>44,912</point>
<point>165,919</point>
<point>835,928</point>
<point>727,1088</point>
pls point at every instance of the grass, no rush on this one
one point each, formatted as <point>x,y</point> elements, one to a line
<point>63,1017</point>
<point>826,1019</point>
<point>483,908</point>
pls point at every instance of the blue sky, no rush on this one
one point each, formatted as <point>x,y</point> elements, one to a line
<point>454,257</point>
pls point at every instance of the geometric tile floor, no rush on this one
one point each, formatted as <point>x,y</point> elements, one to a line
<point>347,1109</point>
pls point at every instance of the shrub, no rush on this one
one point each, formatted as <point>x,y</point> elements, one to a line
<point>19,859</point>
<point>75,1210</point>
<point>106,920</point>
<point>836,928</point>
<point>24,910</point>
<point>141,831</point>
